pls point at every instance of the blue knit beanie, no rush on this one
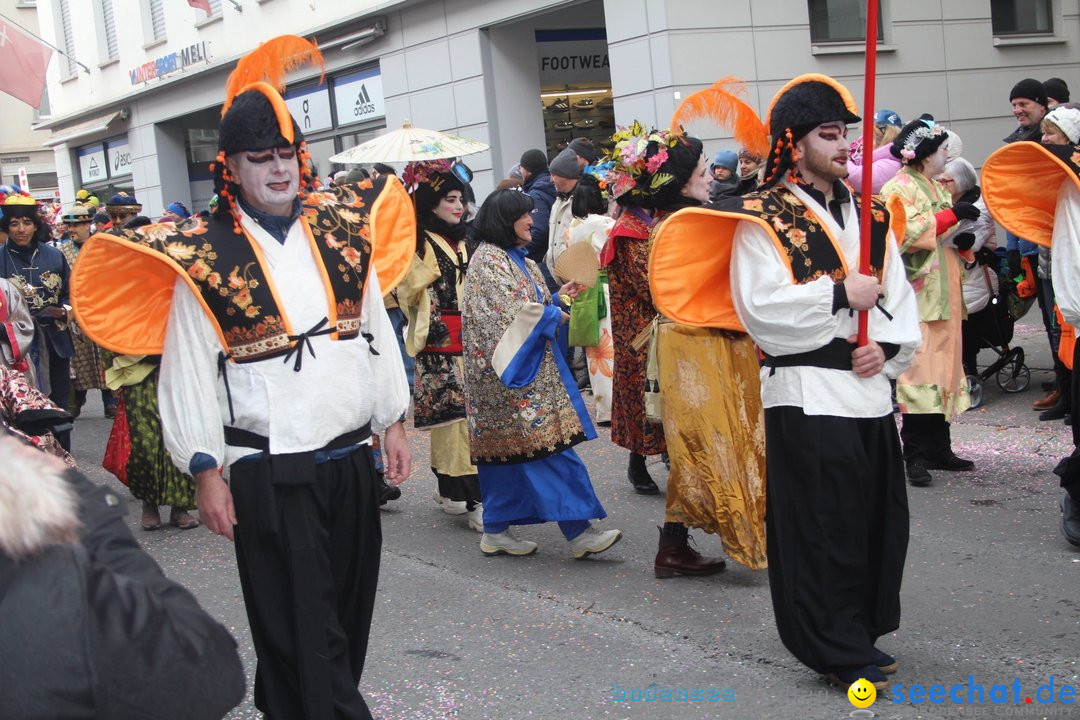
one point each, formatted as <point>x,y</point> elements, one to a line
<point>728,159</point>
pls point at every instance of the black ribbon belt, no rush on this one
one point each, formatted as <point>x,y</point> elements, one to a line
<point>245,438</point>
<point>285,468</point>
<point>303,339</point>
<point>836,355</point>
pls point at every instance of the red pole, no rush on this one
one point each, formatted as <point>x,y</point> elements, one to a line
<point>867,152</point>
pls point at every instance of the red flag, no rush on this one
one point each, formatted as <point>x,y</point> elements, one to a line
<point>23,61</point>
<point>203,5</point>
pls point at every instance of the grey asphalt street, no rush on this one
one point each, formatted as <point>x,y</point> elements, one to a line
<point>991,595</point>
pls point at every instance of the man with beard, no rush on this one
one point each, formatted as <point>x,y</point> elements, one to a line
<point>837,517</point>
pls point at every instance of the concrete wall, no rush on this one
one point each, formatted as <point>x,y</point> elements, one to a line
<point>19,139</point>
<point>469,66</point>
<point>938,56</point>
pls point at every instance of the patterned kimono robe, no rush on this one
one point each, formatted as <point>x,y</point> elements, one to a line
<point>935,381</point>
<point>86,364</point>
<point>525,412</point>
<point>434,286</point>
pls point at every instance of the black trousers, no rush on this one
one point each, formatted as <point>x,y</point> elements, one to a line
<point>60,389</point>
<point>308,557</point>
<point>837,532</point>
<point>462,488</point>
<point>1069,468</point>
<point>925,436</point>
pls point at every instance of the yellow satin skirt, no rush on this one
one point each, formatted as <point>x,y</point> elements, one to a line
<point>715,431</point>
<point>450,449</point>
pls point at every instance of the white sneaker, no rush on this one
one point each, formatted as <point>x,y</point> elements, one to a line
<point>593,541</point>
<point>476,518</point>
<point>505,542</point>
<point>450,507</point>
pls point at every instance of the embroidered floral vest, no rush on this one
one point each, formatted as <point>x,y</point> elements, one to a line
<point>229,274</point>
<point>803,240</point>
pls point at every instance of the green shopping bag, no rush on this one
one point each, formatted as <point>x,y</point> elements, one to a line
<point>585,318</point>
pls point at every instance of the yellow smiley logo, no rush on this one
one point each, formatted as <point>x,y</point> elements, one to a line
<point>862,693</point>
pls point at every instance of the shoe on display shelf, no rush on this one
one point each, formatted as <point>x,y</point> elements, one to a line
<point>560,105</point>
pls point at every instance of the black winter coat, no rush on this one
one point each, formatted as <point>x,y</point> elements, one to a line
<point>90,627</point>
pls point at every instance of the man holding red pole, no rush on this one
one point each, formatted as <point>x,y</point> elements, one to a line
<point>837,516</point>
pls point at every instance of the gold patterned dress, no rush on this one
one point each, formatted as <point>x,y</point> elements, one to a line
<point>715,434</point>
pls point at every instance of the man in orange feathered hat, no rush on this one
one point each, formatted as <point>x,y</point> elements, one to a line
<point>836,515</point>
<point>278,364</point>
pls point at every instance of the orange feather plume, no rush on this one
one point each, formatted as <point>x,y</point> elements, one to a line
<point>721,102</point>
<point>270,62</point>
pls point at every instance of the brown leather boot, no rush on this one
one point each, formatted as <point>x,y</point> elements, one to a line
<point>676,557</point>
<point>1047,401</point>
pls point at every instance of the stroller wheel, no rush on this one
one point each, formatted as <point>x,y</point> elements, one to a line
<point>975,390</point>
<point>1014,377</point>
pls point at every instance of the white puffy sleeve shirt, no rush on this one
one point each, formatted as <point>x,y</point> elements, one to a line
<point>338,389</point>
<point>1065,267</point>
<point>785,319</point>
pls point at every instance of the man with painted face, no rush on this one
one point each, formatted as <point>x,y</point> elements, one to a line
<point>837,516</point>
<point>278,364</point>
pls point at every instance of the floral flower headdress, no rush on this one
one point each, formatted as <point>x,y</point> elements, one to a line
<point>633,169</point>
<point>430,172</point>
<point>927,130</point>
<point>602,172</point>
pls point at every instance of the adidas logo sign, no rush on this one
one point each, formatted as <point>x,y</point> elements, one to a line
<point>363,106</point>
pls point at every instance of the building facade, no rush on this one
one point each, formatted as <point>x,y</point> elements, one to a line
<point>516,74</point>
<point>22,149</point>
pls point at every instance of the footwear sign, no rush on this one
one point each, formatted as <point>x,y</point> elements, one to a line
<point>358,97</point>
<point>578,56</point>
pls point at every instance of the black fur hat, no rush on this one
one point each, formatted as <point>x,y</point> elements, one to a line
<point>251,124</point>
<point>806,102</point>
<point>797,108</point>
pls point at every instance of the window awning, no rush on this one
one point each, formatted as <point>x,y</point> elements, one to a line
<point>84,129</point>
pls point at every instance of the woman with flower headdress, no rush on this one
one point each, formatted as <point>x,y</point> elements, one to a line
<point>431,297</point>
<point>933,390</point>
<point>639,187</point>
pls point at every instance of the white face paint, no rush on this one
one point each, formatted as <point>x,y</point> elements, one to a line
<point>697,186</point>
<point>269,179</point>
<point>934,164</point>
<point>450,208</point>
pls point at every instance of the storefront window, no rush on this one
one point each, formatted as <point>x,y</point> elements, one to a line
<point>575,87</point>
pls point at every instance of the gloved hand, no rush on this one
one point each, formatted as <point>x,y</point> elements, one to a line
<point>1013,258</point>
<point>964,240</point>
<point>984,256</point>
<point>966,211</point>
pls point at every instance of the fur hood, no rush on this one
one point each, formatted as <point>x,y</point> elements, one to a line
<point>38,507</point>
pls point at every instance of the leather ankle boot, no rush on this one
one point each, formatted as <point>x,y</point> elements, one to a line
<point>676,557</point>
<point>639,476</point>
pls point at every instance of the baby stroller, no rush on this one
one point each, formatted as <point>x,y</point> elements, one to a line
<point>992,328</point>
